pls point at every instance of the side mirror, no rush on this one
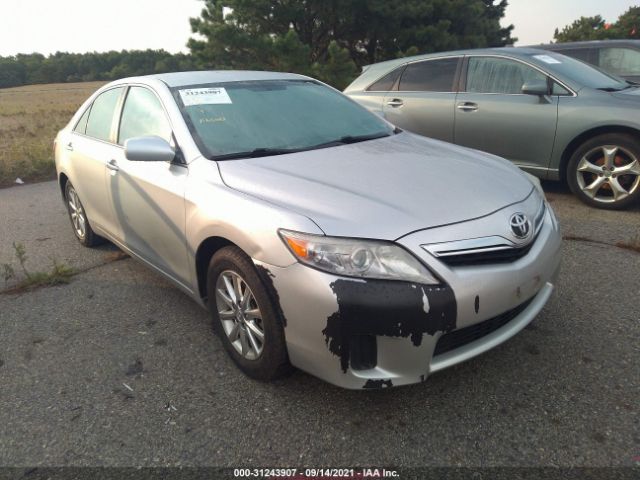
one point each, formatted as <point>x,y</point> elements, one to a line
<point>535,88</point>
<point>148,149</point>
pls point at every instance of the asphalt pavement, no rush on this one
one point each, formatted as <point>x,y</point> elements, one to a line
<point>119,368</point>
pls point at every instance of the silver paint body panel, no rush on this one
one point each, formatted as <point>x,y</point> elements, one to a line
<point>404,188</point>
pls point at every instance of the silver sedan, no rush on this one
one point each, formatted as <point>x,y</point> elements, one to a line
<point>317,234</point>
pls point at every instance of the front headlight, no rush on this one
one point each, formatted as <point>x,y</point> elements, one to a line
<point>357,258</point>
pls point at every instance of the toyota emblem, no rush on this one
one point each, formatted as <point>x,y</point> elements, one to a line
<point>520,225</point>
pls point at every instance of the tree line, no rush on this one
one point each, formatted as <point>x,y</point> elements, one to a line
<point>332,39</point>
<point>61,67</point>
<point>327,39</point>
<point>627,26</point>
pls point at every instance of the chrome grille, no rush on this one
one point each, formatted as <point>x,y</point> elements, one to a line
<point>485,250</point>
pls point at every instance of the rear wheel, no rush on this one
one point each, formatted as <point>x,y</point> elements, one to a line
<point>79,221</point>
<point>605,171</point>
<point>244,316</point>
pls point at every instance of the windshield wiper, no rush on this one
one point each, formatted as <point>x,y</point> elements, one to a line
<point>360,138</point>
<point>352,139</point>
<point>255,153</point>
<point>615,89</point>
<point>266,152</point>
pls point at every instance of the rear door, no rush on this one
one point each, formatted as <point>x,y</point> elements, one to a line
<point>90,147</point>
<point>147,197</point>
<point>494,116</point>
<point>424,100</point>
<point>373,96</point>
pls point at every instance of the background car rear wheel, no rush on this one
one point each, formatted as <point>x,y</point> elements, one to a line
<point>244,316</point>
<point>605,171</point>
<point>79,221</point>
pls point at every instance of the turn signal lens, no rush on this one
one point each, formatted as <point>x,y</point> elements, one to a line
<point>297,246</point>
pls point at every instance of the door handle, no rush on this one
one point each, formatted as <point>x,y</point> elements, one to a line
<point>468,106</point>
<point>396,102</point>
<point>113,165</point>
<point>69,146</point>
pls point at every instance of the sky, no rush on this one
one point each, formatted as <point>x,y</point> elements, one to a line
<point>536,20</point>
<point>47,26</point>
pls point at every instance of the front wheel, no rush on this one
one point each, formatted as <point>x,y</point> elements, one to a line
<point>79,221</point>
<point>244,316</point>
<point>605,171</point>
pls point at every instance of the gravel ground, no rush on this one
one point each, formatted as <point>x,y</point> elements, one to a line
<point>119,368</point>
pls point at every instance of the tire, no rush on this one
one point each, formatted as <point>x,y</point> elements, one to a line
<point>232,324</point>
<point>594,171</point>
<point>80,223</point>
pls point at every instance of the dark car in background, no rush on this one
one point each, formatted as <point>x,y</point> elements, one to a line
<point>553,116</point>
<point>619,57</point>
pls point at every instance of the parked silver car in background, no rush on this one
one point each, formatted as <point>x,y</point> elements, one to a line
<point>316,233</point>
<point>553,116</point>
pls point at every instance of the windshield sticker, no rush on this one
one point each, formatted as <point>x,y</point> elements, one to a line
<point>546,59</point>
<point>204,96</point>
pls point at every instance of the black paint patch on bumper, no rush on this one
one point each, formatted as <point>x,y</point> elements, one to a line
<point>387,308</point>
<point>375,384</point>
<point>267,279</point>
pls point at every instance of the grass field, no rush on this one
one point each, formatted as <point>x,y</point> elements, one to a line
<point>30,118</point>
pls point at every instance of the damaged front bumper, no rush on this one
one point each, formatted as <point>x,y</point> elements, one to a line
<point>379,333</point>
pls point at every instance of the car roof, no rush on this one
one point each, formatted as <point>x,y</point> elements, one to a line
<point>372,72</point>
<point>506,51</point>
<point>179,79</point>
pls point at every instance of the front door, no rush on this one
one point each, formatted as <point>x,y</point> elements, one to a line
<point>494,116</point>
<point>147,197</point>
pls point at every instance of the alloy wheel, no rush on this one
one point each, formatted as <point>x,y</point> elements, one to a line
<point>76,211</point>
<point>608,174</point>
<point>239,314</point>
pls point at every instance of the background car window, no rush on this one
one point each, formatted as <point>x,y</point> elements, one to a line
<point>81,126</point>
<point>620,61</point>
<point>143,115</point>
<point>584,54</point>
<point>500,75</point>
<point>579,72</point>
<point>101,116</point>
<point>385,83</point>
<point>429,76</point>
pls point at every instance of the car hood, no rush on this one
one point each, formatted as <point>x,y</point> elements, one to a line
<point>382,188</point>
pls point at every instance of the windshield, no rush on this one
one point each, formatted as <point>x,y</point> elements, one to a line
<point>579,72</point>
<point>268,117</point>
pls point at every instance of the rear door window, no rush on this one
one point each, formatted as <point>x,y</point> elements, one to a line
<point>430,76</point>
<point>101,115</point>
<point>81,126</point>
<point>385,83</point>
<point>143,115</point>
